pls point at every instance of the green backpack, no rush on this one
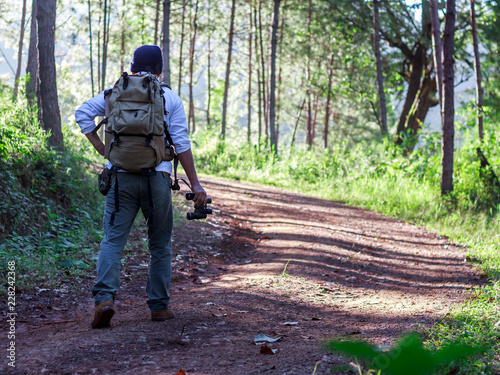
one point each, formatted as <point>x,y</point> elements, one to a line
<point>135,128</point>
<point>135,125</point>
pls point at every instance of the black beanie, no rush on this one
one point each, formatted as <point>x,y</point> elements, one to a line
<point>147,59</point>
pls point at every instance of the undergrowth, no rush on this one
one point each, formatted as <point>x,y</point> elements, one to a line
<point>49,205</point>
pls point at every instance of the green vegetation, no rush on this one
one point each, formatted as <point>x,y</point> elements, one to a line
<point>50,207</point>
<point>407,357</point>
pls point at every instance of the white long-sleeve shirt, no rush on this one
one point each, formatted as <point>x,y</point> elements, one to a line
<point>175,119</point>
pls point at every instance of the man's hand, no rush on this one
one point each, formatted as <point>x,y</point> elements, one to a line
<point>200,196</point>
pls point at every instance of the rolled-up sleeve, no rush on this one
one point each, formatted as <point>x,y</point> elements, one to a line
<point>88,111</point>
<point>177,125</point>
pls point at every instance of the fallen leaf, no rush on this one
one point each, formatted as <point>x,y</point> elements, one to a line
<point>57,308</point>
<point>263,338</point>
<point>264,349</point>
<point>181,372</point>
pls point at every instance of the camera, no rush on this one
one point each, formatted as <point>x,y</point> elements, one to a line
<point>200,212</point>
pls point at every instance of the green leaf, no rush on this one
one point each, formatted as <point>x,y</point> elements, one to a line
<point>66,263</point>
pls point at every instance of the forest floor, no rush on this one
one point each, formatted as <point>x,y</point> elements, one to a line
<point>266,262</point>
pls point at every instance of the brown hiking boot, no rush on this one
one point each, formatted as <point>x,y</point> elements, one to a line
<point>160,316</point>
<point>103,314</point>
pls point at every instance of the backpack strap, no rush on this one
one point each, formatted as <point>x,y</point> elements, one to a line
<point>149,172</point>
<point>114,170</point>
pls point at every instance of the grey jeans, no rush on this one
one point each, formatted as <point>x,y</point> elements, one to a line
<point>133,195</point>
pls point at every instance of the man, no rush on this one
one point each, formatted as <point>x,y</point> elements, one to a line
<point>134,195</point>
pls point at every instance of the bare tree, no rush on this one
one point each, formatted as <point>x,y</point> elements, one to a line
<point>448,101</point>
<point>32,66</point>
<point>259,87</point>
<point>437,49</point>
<point>378,60</point>
<point>228,70</point>
<point>157,21</point>
<point>209,65</point>
<point>194,28</point>
<point>249,95</point>
<point>105,40</point>
<point>477,69</point>
<point>51,118</point>
<point>263,69</point>
<point>90,54</point>
<point>166,41</point>
<point>272,101</point>
<point>20,51</point>
<point>328,99</point>
<point>309,122</point>
<point>183,17</point>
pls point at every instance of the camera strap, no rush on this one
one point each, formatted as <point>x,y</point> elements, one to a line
<point>175,184</point>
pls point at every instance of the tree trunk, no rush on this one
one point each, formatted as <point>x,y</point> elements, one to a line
<point>157,21</point>
<point>51,118</point>
<point>249,98</point>
<point>104,46</point>
<point>191,119</point>
<point>477,69</point>
<point>20,51</point>
<point>418,63</point>
<point>309,130</point>
<point>259,87</point>
<point>280,53</point>
<point>32,66</point>
<point>122,38</point>
<point>91,60</point>
<point>378,59</point>
<point>448,102</point>
<point>228,70</point>
<point>328,98</point>
<point>263,70</point>
<point>209,72</point>
<point>166,41</point>
<point>437,50</point>
<point>183,17</point>
<point>297,120</point>
<point>272,101</point>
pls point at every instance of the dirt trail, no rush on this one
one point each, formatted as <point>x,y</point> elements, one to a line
<point>265,258</point>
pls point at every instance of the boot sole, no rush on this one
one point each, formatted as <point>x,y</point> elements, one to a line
<point>162,318</point>
<point>103,318</point>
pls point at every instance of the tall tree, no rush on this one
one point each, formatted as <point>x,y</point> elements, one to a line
<point>51,118</point>
<point>20,50</point>
<point>263,70</point>
<point>90,45</point>
<point>194,28</point>
<point>228,70</point>
<point>328,99</point>
<point>157,22</point>
<point>309,120</point>
<point>378,60</point>
<point>259,87</point>
<point>272,101</point>
<point>166,41</point>
<point>477,69</point>
<point>105,39</point>
<point>249,95</point>
<point>209,65</point>
<point>437,50</point>
<point>183,17</point>
<point>32,65</point>
<point>448,102</point>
